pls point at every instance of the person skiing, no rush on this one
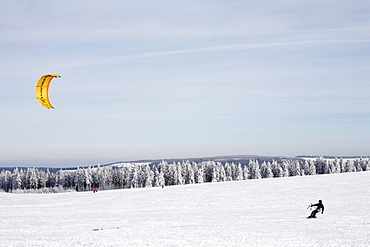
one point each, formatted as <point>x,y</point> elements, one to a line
<point>319,208</point>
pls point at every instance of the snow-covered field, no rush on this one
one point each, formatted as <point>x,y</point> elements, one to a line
<point>265,212</point>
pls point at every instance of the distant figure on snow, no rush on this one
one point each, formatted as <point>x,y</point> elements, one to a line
<point>95,191</point>
<point>319,208</point>
<point>162,186</point>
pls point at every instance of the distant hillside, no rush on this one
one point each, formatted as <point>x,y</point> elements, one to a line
<point>51,169</point>
<point>242,159</point>
<point>331,157</point>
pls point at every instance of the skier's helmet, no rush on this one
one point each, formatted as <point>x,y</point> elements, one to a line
<point>320,201</point>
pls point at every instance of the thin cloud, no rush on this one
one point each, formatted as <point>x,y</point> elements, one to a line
<point>210,49</point>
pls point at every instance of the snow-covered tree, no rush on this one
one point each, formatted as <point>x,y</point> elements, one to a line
<point>349,166</point>
<point>285,168</point>
<point>254,169</point>
<point>266,171</point>
<point>180,174</point>
<point>357,165</point>
<point>239,172</point>
<point>311,168</point>
<point>42,178</point>
<point>148,177</point>
<point>16,179</point>
<point>5,180</point>
<point>189,173</point>
<point>334,166</point>
<point>32,178</point>
<point>365,165</point>
<point>246,173</point>
<point>276,169</point>
<point>320,165</point>
<point>294,168</point>
<point>228,172</point>
<point>133,177</point>
<point>199,173</point>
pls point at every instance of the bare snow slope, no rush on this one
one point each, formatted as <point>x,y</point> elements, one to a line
<point>267,212</point>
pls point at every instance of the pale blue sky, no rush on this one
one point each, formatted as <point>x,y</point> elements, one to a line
<point>181,79</point>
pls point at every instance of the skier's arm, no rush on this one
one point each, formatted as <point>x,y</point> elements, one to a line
<point>322,211</point>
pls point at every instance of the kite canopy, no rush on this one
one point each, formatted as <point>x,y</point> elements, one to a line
<point>42,90</point>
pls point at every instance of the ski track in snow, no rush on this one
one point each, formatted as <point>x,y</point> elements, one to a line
<point>264,212</point>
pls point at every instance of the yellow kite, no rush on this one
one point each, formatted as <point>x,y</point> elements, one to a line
<point>42,90</point>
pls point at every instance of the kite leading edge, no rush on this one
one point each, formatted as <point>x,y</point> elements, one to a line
<point>42,90</point>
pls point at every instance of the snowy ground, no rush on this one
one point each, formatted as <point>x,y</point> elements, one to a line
<point>267,212</point>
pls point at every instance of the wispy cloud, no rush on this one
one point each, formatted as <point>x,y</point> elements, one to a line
<point>213,49</point>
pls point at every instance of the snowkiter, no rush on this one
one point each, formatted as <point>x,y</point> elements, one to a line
<point>319,208</point>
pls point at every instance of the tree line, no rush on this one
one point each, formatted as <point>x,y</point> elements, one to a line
<point>167,174</point>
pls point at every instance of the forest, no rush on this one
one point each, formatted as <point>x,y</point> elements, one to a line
<point>33,180</point>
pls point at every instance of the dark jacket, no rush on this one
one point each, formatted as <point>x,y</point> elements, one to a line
<point>320,207</point>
